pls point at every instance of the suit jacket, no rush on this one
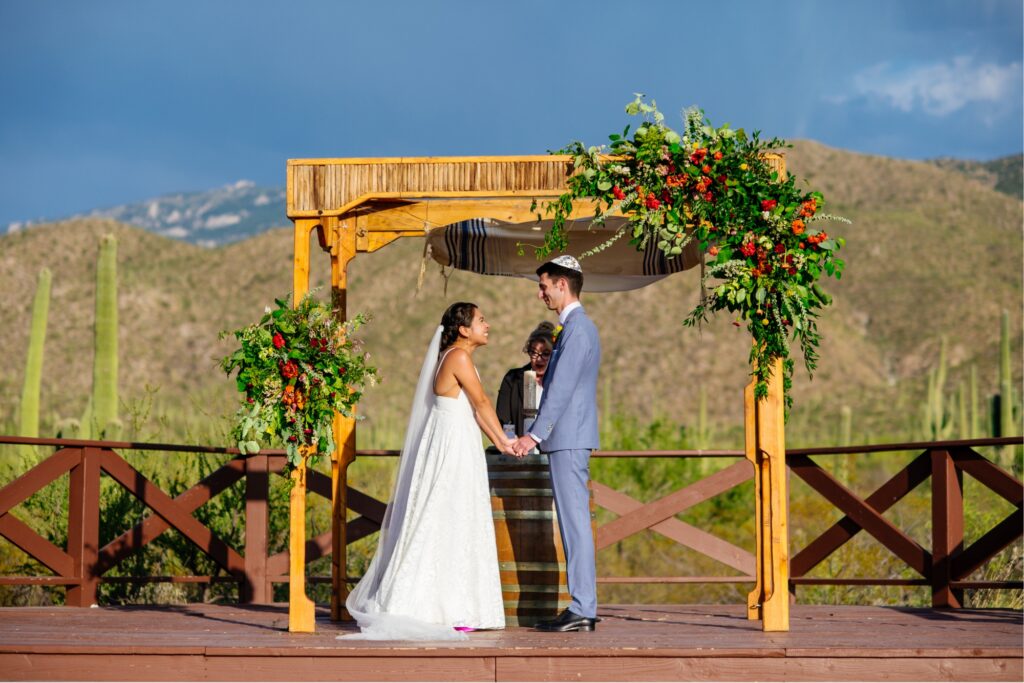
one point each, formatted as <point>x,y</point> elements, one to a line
<point>567,416</point>
<point>510,399</point>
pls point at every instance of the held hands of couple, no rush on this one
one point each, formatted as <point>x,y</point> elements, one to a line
<point>523,445</point>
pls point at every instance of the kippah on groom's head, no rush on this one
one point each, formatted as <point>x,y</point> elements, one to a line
<point>566,267</point>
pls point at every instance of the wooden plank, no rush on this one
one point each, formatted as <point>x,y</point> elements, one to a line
<point>23,487</point>
<point>947,528</point>
<point>742,669</point>
<point>771,443</point>
<point>678,531</point>
<point>989,474</point>
<point>256,588</point>
<point>994,540</point>
<point>672,504</point>
<point>84,526</point>
<point>869,519</point>
<point>301,610</point>
<point>365,505</point>
<point>344,429</point>
<point>887,495</point>
<point>150,528</point>
<point>753,457</point>
<point>22,536</point>
<point>162,504</point>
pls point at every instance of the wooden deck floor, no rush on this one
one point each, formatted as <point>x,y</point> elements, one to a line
<point>676,642</point>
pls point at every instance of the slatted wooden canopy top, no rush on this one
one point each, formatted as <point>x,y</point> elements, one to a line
<point>361,205</point>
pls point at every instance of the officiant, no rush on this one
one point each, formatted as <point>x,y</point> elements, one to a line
<point>522,387</point>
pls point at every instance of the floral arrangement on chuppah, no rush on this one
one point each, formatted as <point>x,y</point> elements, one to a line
<point>296,368</point>
<point>762,235</point>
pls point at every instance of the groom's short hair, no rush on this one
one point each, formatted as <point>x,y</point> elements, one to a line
<point>573,277</point>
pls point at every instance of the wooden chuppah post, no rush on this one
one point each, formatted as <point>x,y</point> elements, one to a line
<point>342,243</point>
<point>764,422</point>
<point>301,610</point>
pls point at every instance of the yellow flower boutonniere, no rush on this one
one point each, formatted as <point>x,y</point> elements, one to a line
<point>555,332</point>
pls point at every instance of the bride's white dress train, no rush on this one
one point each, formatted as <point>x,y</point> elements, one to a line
<point>436,565</point>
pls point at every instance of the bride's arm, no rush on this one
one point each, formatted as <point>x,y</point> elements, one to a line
<point>467,377</point>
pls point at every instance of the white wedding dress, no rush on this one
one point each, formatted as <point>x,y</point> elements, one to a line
<point>436,565</point>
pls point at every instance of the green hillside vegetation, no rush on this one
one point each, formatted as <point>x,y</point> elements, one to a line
<point>1005,174</point>
<point>931,253</point>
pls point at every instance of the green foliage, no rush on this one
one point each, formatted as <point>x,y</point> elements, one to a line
<point>29,407</point>
<point>296,368</point>
<point>715,186</point>
<point>103,421</point>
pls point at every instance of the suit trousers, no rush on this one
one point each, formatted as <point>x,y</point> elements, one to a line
<point>570,475</point>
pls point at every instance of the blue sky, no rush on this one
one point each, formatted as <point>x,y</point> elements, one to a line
<point>112,102</point>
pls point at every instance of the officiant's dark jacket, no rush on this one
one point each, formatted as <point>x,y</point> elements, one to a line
<point>510,399</point>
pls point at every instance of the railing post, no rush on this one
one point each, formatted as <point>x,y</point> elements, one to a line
<point>256,587</point>
<point>947,528</point>
<point>84,527</point>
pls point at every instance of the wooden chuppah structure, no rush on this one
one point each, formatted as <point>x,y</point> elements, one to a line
<point>361,205</point>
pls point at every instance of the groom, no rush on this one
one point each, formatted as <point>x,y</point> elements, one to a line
<point>566,429</point>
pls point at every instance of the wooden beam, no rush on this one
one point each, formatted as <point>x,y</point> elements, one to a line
<point>680,532</point>
<point>301,610</point>
<point>342,252</point>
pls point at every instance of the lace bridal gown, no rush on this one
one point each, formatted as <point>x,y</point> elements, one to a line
<point>436,565</point>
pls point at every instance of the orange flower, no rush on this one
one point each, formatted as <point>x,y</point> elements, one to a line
<point>798,227</point>
<point>808,208</point>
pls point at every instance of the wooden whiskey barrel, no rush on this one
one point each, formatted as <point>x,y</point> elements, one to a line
<point>530,554</point>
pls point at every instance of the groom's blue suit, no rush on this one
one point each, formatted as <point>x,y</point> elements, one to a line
<point>566,425</point>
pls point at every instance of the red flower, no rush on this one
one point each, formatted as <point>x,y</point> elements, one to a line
<point>802,245</point>
<point>779,248</point>
<point>718,155</point>
<point>808,208</point>
<point>713,250</point>
<point>289,369</point>
<point>652,201</point>
<point>748,249</point>
<point>721,179</point>
<point>792,271</point>
<point>278,340</point>
<point>698,155</point>
<point>706,170</point>
<point>708,196</point>
<point>619,194</point>
<point>769,204</point>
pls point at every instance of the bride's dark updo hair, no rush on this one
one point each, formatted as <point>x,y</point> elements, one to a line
<point>459,314</point>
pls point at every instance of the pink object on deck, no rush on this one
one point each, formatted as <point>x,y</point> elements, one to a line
<point>464,629</point>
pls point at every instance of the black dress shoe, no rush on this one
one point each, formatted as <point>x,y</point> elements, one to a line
<point>567,621</point>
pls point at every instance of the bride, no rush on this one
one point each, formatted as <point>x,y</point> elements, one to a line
<point>435,573</point>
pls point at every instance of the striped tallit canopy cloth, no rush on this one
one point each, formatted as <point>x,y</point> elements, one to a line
<point>491,247</point>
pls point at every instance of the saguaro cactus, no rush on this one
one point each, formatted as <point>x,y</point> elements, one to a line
<point>29,409</point>
<point>936,424</point>
<point>104,375</point>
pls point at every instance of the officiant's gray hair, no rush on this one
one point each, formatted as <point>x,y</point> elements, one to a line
<point>544,334</point>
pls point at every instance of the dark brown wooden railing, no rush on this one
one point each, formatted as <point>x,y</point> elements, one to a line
<point>82,564</point>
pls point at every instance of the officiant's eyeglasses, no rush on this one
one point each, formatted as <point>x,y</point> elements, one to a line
<point>538,354</point>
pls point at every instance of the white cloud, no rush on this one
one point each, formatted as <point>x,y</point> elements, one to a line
<point>937,89</point>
